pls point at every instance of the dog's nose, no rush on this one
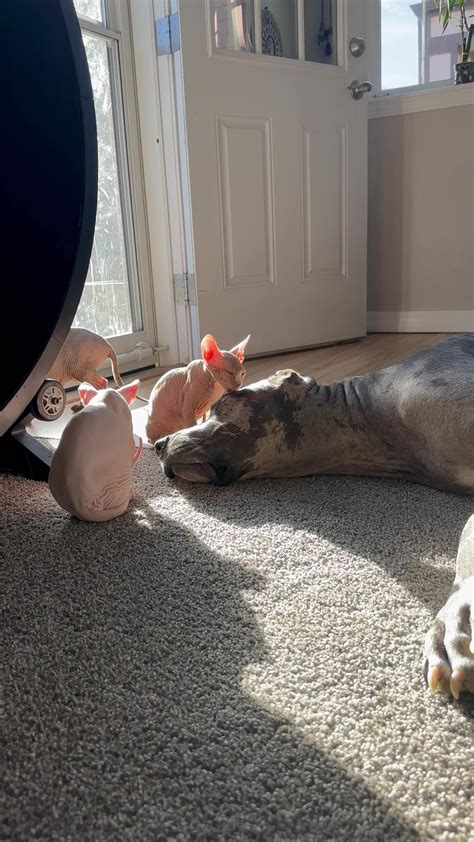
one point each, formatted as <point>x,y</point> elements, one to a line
<point>160,443</point>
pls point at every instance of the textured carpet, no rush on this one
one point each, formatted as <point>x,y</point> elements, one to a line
<point>236,663</point>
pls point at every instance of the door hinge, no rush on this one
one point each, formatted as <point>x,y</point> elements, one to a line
<point>167,34</point>
<point>185,289</point>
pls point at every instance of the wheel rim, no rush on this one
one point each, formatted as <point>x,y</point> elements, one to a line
<point>52,401</point>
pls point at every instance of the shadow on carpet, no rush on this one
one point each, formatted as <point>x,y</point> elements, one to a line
<point>238,663</point>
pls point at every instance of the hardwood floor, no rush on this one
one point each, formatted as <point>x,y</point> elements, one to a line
<point>337,361</point>
<point>324,364</point>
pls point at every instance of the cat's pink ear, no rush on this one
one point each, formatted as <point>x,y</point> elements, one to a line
<point>239,349</point>
<point>130,391</point>
<point>86,393</point>
<point>209,349</point>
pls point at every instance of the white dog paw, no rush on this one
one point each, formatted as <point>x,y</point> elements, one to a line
<point>449,645</point>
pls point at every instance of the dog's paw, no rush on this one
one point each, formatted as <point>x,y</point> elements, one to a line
<point>448,656</point>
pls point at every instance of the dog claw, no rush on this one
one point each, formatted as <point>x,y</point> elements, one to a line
<point>456,682</point>
<point>435,676</point>
<point>449,644</point>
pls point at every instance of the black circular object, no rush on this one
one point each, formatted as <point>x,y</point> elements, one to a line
<point>48,191</point>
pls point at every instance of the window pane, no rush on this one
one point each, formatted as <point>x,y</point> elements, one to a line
<point>400,50</point>
<point>320,31</point>
<point>280,28</point>
<point>105,303</point>
<point>91,9</point>
<point>415,51</point>
<point>232,24</point>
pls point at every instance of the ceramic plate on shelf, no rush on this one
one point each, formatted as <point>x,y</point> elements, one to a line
<point>272,44</point>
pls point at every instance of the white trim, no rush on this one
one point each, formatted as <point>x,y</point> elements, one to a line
<point>388,105</point>
<point>141,292</point>
<point>300,29</point>
<point>420,321</point>
<point>100,29</point>
<point>175,159</point>
<point>373,41</point>
<point>337,71</point>
<point>155,183</point>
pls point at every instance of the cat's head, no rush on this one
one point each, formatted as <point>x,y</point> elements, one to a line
<point>118,399</point>
<point>225,366</point>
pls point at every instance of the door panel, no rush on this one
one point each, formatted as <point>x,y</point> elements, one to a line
<point>245,180</point>
<point>277,153</point>
<point>324,173</point>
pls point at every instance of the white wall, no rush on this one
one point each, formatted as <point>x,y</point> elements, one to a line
<point>421,220</point>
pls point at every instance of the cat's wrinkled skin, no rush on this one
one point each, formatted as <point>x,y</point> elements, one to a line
<point>91,470</point>
<point>81,355</point>
<point>414,419</point>
<point>184,395</point>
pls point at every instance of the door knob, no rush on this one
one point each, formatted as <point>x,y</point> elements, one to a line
<point>357,46</point>
<point>358,89</point>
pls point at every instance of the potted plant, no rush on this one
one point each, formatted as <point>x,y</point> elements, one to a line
<point>464,69</point>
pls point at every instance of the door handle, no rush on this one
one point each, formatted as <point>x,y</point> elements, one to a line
<point>358,89</point>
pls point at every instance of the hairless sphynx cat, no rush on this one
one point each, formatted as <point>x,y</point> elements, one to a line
<point>414,419</point>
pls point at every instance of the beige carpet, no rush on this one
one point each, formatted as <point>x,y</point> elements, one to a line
<point>237,663</point>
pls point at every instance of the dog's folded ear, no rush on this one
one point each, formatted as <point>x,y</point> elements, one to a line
<point>160,443</point>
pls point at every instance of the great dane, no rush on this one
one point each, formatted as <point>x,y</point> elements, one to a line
<point>414,419</point>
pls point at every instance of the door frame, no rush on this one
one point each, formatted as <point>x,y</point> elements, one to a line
<point>161,150</point>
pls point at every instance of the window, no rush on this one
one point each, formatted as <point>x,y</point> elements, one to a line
<point>113,297</point>
<point>414,50</point>
<point>282,28</point>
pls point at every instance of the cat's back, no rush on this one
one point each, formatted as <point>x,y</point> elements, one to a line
<point>90,474</point>
<point>169,388</point>
<point>165,406</point>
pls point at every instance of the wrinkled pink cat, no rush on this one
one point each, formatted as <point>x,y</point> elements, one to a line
<point>183,395</point>
<point>91,470</point>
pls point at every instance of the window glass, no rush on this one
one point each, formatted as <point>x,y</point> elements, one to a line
<point>280,28</point>
<point>320,31</point>
<point>105,303</point>
<point>415,51</point>
<point>92,9</point>
<point>232,25</point>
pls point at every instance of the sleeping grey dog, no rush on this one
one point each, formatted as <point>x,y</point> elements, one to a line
<point>414,419</point>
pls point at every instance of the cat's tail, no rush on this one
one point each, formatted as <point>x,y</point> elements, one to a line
<point>115,366</point>
<point>115,370</point>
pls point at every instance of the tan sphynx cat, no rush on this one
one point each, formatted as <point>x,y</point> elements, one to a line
<point>91,470</point>
<point>184,395</point>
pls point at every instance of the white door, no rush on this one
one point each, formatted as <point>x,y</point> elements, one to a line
<point>277,158</point>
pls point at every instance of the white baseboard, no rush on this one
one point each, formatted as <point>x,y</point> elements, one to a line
<point>420,321</point>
